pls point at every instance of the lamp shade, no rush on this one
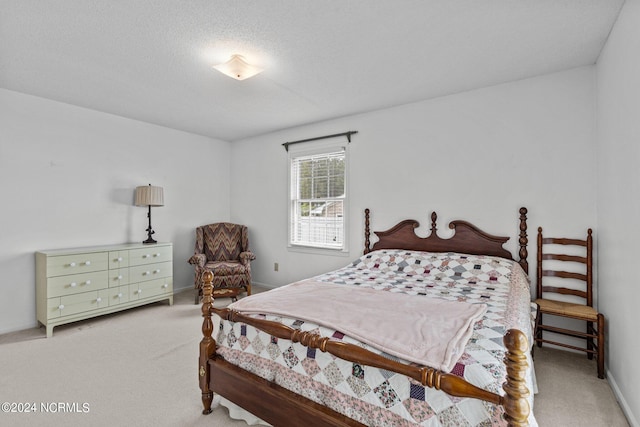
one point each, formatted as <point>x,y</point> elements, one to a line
<point>149,195</point>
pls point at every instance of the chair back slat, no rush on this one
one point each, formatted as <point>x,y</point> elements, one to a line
<point>563,241</point>
<point>565,274</point>
<point>564,291</point>
<point>564,257</point>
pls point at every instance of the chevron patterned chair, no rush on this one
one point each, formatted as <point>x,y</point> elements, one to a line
<point>223,249</point>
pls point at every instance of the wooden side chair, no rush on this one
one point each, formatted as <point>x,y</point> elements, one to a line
<point>582,282</point>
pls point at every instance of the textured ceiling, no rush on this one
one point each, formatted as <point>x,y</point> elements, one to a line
<point>151,60</point>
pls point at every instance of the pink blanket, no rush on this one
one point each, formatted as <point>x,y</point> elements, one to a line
<point>428,331</point>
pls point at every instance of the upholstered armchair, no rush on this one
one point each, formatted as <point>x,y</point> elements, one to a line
<point>223,249</point>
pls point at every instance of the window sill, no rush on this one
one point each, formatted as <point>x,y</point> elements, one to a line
<point>318,251</point>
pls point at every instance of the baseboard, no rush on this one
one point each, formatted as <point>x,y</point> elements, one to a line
<point>17,328</point>
<point>633,422</point>
<point>264,285</point>
<point>177,290</point>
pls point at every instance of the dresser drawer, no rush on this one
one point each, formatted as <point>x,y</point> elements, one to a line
<point>118,259</point>
<point>77,303</point>
<point>77,263</point>
<point>151,288</point>
<point>143,273</point>
<point>118,295</point>
<point>76,283</point>
<point>150,255</point>
<point>118,277</point>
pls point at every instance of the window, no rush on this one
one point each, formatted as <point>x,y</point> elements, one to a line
<point>318,199</point>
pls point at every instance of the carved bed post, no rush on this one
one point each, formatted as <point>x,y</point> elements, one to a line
<point>434,219</point>
<point>523,240</point>
<point>516,405</point>
<point>208,344</point>
<point>367,232</point>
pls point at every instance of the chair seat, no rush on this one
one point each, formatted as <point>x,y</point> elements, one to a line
<point>567,309</point>
<point>226,268</point>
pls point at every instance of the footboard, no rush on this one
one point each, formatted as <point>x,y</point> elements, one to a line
<point>514,401</point>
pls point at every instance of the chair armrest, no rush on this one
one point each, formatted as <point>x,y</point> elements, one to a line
<point>198,259</point>
<point>247,256</point>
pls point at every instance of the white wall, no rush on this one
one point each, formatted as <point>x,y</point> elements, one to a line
<point>618,95</point>
<point>67,178</point>
<point>477,155</point>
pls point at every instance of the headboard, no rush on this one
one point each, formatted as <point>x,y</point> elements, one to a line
<point>467,239</point>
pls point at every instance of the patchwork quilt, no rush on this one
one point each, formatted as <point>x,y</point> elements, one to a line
<point>377,397</point>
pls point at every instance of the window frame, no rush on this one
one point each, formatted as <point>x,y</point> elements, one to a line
<point>317,149</point>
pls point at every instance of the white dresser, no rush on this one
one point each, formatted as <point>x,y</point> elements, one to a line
<point>76,284</point>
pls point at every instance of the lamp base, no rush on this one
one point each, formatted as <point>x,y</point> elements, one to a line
<point>149,231</point>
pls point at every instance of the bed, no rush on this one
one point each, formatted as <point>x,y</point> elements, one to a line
<point>293,372</point>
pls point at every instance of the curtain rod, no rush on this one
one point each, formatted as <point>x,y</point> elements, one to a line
<point>347,134</point>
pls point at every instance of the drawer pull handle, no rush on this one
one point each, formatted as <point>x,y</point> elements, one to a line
<point>73,284</point>
<point>165,285</point>
<point>119,259</point>
<point>120,295</point>
<point>145,256</point>
<point>87,263</point>
<point>139,291</point>
<point>120,277</point>
<point>98,299</point>
<point>157,271</point>
<point>61,306</point>
<point>146,273</point>
<point>88,282</point>
<point>158,254</point>
<point>72,264</point>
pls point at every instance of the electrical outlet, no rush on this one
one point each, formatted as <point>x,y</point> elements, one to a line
<point>275,266</point>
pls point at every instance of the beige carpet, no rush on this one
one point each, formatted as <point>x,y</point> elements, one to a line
<point>139,368</point>
<point>571,394</point>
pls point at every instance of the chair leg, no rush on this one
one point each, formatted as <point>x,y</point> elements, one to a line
<point>248,288</point>
<point>590,331</point>
<point>600,345</point>
<point>198,294</point>
<point>537,332</point>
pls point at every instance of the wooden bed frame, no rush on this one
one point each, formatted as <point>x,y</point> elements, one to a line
<point>281,407</point>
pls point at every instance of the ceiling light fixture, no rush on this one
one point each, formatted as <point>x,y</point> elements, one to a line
<point>238,68</point>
